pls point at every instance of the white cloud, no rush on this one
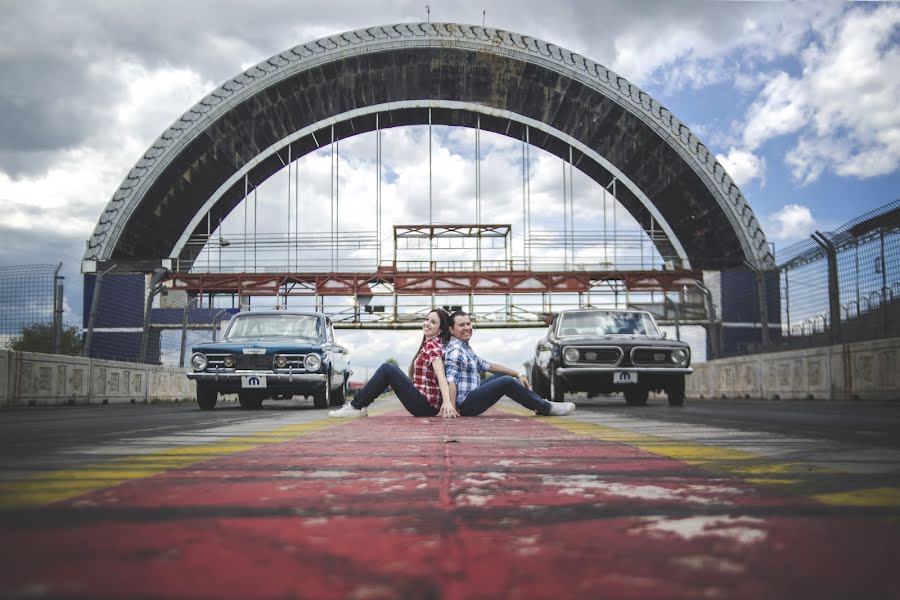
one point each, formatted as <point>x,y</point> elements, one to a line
<point>743,166</point>
<point>843,104</point>
<point>791,223</point>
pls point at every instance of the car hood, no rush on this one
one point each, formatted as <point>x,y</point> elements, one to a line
<point>620,340</point>
<point>270,345</point>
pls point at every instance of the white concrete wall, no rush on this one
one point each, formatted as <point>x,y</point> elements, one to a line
<point>28,379</point>
<point>864,371</point>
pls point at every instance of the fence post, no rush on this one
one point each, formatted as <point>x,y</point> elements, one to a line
<point>763,307</point>
<point>92,317</point>
<point>159,274</point>
<point>184,324</point>
<point>56,336</point>
<point>834,295</point>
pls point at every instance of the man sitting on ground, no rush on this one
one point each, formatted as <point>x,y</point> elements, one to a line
<point>473,396</point>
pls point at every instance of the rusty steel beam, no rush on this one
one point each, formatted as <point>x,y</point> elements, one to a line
<point>406,283</point>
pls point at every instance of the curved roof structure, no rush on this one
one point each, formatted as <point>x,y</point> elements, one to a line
<point>452,74</point>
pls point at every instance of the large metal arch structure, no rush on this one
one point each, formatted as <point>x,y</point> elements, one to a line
<point>437,73</point>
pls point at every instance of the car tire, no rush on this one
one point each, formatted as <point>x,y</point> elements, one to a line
<point>637,396</point>
<point>250,401</point>
<point>557,393</point>
<point>339,396</point>
<point>206,397</point>
<point>539,383</point>
<point>675,392</point>
<point>322,397</point>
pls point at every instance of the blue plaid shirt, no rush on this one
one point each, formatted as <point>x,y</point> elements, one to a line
<point>463,367</point>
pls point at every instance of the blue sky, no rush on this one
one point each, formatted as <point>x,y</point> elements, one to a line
<point>798,100</point>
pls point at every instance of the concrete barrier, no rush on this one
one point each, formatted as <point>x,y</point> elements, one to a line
<point>859,371</point>
<point>31,379</point>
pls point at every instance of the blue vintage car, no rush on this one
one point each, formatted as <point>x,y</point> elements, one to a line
<point>277,354</point>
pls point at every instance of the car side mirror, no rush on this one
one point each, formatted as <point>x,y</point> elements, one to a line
<point>665,335</point>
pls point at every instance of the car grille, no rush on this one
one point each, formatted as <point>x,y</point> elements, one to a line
<point>251,362</point>
<point>604,355</point>
<point>651,356</point>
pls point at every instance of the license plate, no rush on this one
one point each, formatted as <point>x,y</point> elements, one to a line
<point>624,377</point>
<point>253,381</point>
<point>254,350</point>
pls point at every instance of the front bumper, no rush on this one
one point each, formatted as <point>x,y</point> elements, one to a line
<point>565,371</point>
<point>234,377</point>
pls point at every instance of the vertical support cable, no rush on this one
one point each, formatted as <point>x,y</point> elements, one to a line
<point>571,206</point>
<point>528,192</point>
<point>331,221</point>
<point>377,192</point>
<point>524,197</point>
<point>255,230</point>
<point>430,219</point>
<point>297,215</point>
<point>288,245</point>
<point>615,231</point>
<point>565,220</point>
<point>246,193</point>
<point>478,188</point>
<point>337,200</point>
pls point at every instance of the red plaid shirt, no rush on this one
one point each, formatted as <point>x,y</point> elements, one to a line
<point>423,373</point>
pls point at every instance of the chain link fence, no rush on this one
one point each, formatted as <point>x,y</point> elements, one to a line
<point>842,286</point>
<point>31,311</point>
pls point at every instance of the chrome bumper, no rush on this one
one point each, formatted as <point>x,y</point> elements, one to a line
<point>562,371</point>
<point>235,376</point>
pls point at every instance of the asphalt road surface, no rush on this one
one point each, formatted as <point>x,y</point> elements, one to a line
<point>716,499</point>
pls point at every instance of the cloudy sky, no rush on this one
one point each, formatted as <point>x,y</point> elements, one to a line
<point>798,100</point>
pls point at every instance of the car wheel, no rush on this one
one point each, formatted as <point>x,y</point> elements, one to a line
<point>557,393</point>
<point>322,397</point>
<point>539,383</point>
<point>636,396</point>
<point>250,401</point>
<point>339,396</point>
<point>206,397</point>
<point>675,392</point>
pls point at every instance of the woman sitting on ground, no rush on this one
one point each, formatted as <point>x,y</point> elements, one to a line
<point>428,394</point>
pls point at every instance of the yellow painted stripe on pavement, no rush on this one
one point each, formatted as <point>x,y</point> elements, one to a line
<point>807,479</point>
<point>53,486</point>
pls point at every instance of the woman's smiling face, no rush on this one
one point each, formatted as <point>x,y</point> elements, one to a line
<point>432,325</point>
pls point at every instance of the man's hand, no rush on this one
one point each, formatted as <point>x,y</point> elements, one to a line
<point>524,381</point>
<point>448,411</point>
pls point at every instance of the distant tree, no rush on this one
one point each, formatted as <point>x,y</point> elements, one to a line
<point>39,338</point>
<point>392,361</point>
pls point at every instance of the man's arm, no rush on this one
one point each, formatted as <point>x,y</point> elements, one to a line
<point>504,370</point>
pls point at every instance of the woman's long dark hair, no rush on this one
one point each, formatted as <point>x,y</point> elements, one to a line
<point>444,335</point>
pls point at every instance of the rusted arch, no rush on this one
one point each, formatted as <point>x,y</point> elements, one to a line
<point>232,128</point>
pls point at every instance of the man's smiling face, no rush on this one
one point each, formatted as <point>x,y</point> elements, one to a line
<point>462,328</point>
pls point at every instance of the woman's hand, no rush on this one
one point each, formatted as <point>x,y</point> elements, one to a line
<point>448,410</point>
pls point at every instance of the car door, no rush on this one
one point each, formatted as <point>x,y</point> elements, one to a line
<point>544,350</point>
<point>340,356</point>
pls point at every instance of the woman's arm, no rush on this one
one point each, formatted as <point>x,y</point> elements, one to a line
<point>448,403</point>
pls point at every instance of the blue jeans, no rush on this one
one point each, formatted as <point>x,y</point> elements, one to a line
<point>388,375</point>
<point>491,390</point>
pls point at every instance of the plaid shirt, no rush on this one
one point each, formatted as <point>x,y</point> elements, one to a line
<point>463,367</point>
<point>423,372</point>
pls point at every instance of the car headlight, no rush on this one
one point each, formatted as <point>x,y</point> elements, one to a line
<point>571,354</point>
<point>312,362</point>
<point>678,356</point>
<point>281,361</point>
<point>198,361</point>
<point>228,361</point>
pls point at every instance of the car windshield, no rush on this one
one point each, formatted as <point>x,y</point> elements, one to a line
<point>256,326</point>
<point>607,323</point>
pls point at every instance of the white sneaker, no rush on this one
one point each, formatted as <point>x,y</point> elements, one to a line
<point>559,409</point>
<point>348,410</point>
